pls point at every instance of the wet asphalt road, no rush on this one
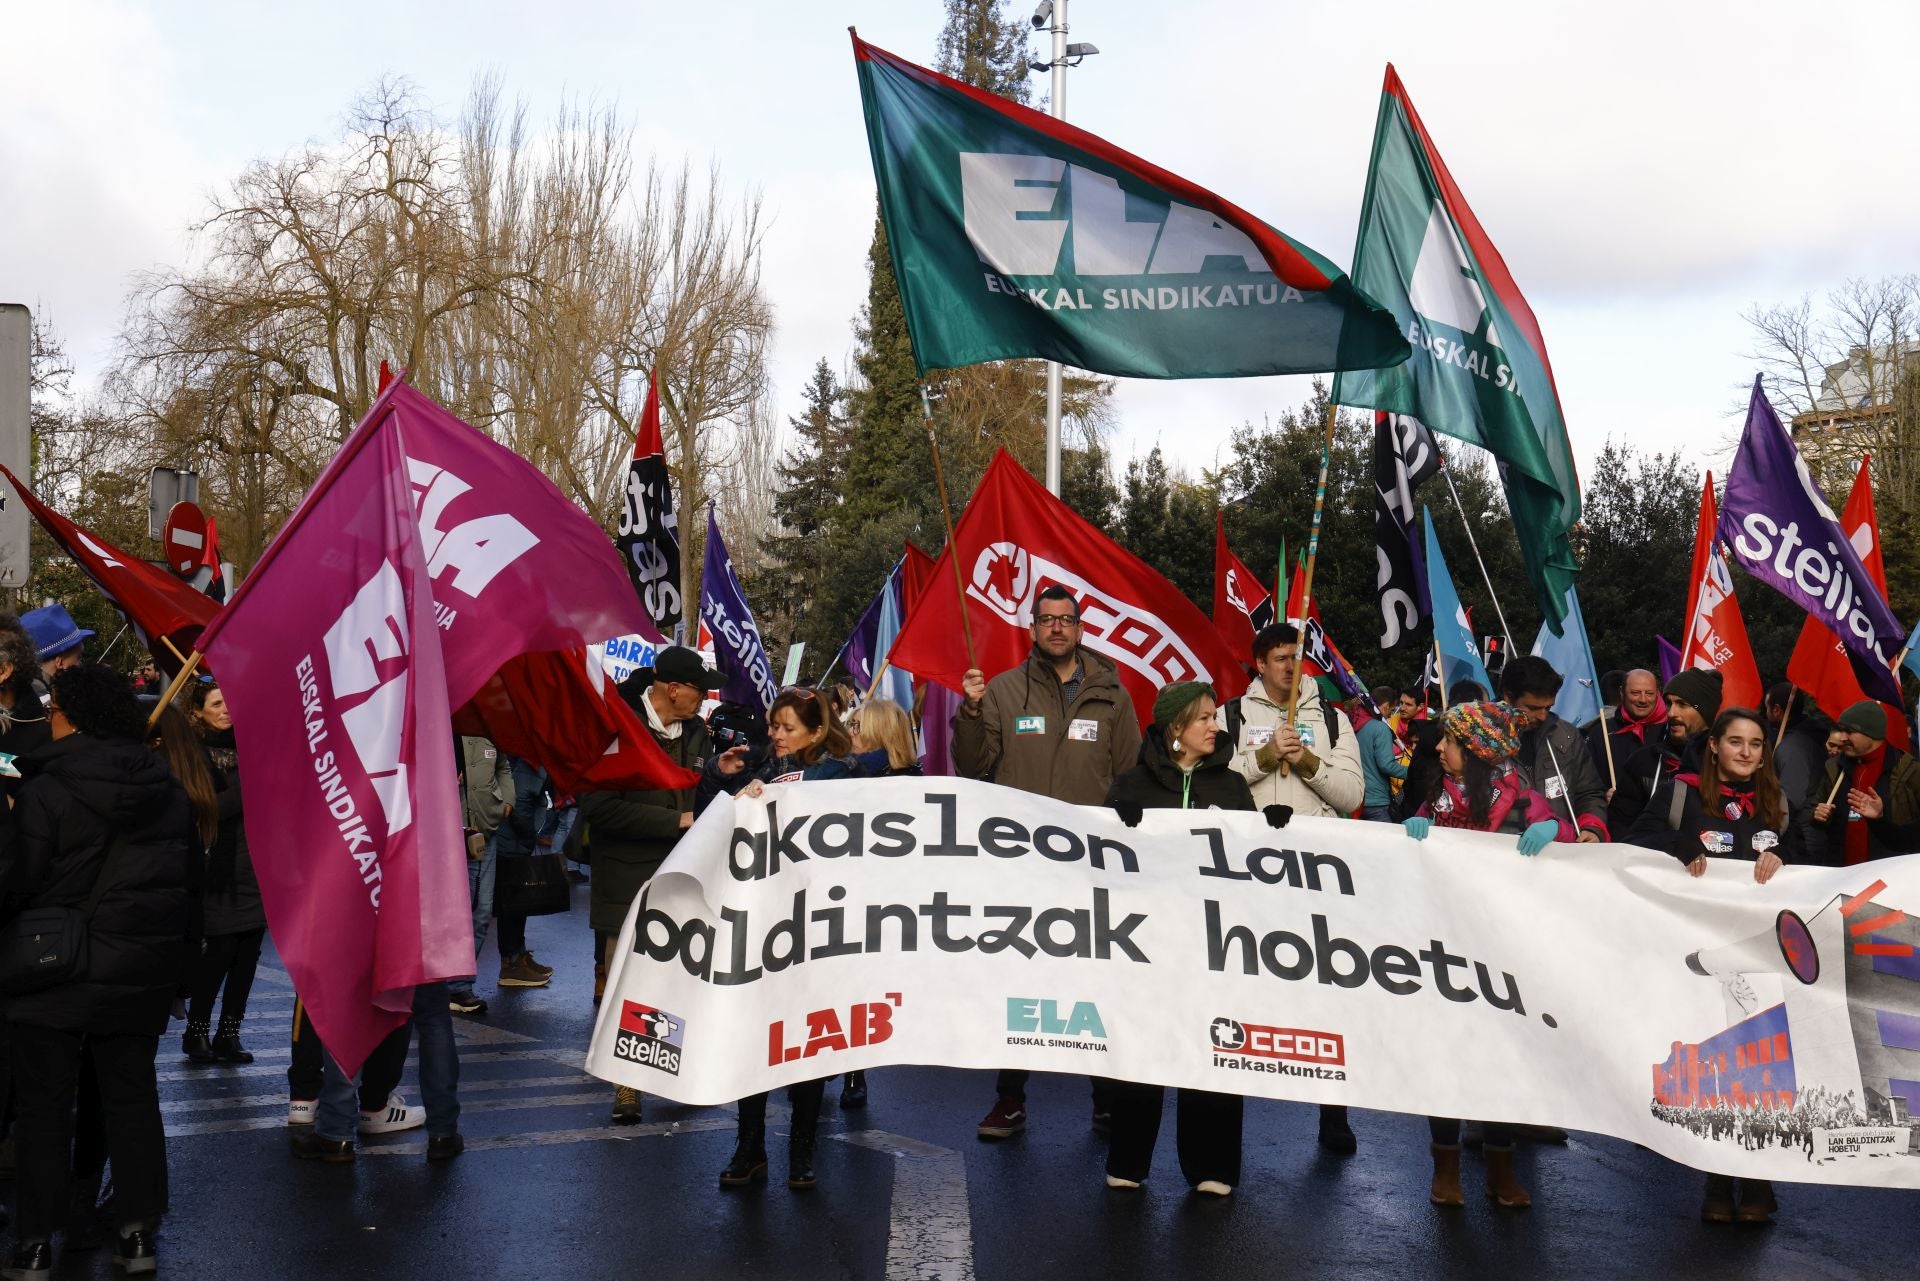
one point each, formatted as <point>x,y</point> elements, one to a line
<point>547,1189</point>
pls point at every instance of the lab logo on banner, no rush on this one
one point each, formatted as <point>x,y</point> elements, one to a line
<point>864,1023</point>
<point>1071,1025</point>
<point>650,1037</point>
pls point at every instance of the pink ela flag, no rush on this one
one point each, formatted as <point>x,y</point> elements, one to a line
<point>423,558</point>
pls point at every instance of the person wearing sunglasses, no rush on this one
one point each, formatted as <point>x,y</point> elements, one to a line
<point>1061,725</point>
<point>809,744</point>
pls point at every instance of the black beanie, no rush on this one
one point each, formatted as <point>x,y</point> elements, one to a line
<point>1699,686</point>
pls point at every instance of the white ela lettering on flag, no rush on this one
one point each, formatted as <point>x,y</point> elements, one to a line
<point>836,926</point>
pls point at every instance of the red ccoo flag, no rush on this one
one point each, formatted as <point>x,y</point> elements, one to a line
<point>1015,539</point>
<point>1237,594</point>
<point>1716,632</point>
<point>161,608</point>
<point>1820,664</point>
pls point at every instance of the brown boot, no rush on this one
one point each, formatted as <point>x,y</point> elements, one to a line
<point>599,983</point>
<point>1501,1185</point>
<point>1446,1176</point>
<point>1718,1206</point>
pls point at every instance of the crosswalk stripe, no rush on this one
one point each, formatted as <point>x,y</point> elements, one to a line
<point>279,1100</point>
<point>565,1057</point>
<point>543,1138</point>
<point>279,1120</point>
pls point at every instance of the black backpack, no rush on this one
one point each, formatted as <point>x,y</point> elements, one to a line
<point>1235,720</point>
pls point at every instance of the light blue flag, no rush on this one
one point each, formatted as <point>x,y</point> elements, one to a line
<point>1910,659</point>
<point>896,684</point>
<point>1459,656</point>
<point>1571,656</point>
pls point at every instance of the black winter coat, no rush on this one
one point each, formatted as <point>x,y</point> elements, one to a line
<point>1718,833</point>
<point>632,833</point>
<point>1156,783</point>
<point>230,902</point>
<point>80,791</point>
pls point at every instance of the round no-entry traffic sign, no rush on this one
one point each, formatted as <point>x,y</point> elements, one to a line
<point>185,538</point>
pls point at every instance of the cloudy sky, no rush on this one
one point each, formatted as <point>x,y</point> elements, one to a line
<point>1649,170</point>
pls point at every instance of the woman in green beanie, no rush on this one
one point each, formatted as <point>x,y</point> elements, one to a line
<point>1185,763</point>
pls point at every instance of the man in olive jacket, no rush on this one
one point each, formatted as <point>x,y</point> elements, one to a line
<point>631,833</point>
<point>1062,725</point>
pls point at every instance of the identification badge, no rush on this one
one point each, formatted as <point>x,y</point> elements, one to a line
<point>1084,731</point>
<point>1443,803</point>
<point>1258,736</point>
<point>7,767</point>
<point>1306,734</point>
<point>488,753</point>
<point>1556,788</point>
<point>1764,840</point>
<point>1717,842</point>
<point>793,776</point>
<point>1029,725</point>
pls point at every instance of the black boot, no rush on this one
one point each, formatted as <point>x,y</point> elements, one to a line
<point>853,1090</point>
<point>800,1160</point>
<point>226,1045</point>
<point>1335,1134</point>
<point>194,1044</point>
<point>806,1099</point>
<point>749,1162</point>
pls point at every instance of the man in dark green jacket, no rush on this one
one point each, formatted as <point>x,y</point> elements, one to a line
<point>631,833</point>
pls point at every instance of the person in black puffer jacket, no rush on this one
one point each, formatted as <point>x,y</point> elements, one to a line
<point>1185,763</point>
<point>234,919</point>
<point>98,807</point>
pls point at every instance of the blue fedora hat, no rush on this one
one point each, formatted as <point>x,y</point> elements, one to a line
<point>53,630</point>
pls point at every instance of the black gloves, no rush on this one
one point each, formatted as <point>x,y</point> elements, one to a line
<point>1129,811</point>
<point>1277,815</point>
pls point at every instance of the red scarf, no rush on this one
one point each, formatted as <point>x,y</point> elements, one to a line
<point>1866,772</point>
<point>1625,724</point>
<point>1736,799</point>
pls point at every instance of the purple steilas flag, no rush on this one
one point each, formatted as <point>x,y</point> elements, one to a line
<point>737,648</point>
<point>1783,532</point>
<point>1669,657</point>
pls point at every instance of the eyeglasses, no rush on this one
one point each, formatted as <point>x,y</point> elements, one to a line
<point>801,691</point>
<point>1059,622</point>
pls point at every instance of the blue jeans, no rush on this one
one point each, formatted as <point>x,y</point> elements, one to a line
<point>1377,813</point>
<point>337,1115</point>
<point>480,879</point>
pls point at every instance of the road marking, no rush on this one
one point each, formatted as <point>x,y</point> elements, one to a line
<point>545,1138</point>
<point>930,1231</point>
<point>279,1100</point>
<point>215,1073</point>
<point>279,1120</point>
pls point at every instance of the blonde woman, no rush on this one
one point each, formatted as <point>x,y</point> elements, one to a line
<point>883,741</point>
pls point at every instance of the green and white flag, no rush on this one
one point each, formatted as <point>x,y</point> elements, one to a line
<point>1479,370</point>
<point>1017,235</point>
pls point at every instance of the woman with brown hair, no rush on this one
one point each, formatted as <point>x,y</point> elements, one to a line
<point>234,919</point>
<point>809,743</point>
<point>1732,808</point>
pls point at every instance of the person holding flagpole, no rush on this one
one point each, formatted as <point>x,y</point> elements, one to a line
<point>1310,765</point>
<point>1551,750</point>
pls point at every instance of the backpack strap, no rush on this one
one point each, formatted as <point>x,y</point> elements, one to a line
<point>1236,718</point>
<point>1332,718</point>
<point>1677,806</point>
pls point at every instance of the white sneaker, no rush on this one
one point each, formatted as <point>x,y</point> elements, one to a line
<point>394,1117</point>
<point>1115,1181</point>
<point>300,1111</point>
<point>1213,1187</point>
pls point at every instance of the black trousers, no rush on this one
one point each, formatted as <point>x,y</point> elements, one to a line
<point>379,1078</point>
<point>230,959</point>
<point>46,1068</point>
<point>1011,1083</point>
<point>805,1097</point>
<point>1207,1132</point>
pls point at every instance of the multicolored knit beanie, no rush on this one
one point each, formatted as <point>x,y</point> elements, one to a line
<point>1488,730</point>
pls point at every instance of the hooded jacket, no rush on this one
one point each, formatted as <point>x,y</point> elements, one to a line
<point>1157,783</point>
<point>230,902</point>
<point>631,833</point>
<point>1335,787</point>
<point>80,792</point>
<point>1029,737</point>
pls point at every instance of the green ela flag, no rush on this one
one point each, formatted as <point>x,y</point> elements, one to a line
<point>1479,370</point>
<point>1017,235</point>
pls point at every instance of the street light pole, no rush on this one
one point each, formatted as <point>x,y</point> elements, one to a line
<point>1058,107</point>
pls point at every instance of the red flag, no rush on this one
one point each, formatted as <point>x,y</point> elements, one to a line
<point>1319,656</point>
<point>560,711</point>
<point>915,574</point>
<point>1017,539</point>
<point>386,380</point>
<point>154,601</point>
<point>1716,632</point>
<point>1820,664</point>
<point>1237,594</point>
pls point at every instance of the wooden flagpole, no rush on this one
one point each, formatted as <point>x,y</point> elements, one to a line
<point>1306,580</point>
<point>187,668</point>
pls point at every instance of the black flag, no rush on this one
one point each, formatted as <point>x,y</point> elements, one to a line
<point>648,535</point>
<point>1404,455</point>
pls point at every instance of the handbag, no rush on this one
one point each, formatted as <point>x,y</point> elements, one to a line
<point>44,947</point>
<point>531,885</point>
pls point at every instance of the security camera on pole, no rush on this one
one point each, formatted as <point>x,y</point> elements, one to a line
<point>1064,55</point>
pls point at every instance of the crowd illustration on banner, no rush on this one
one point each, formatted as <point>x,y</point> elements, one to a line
<point>443,678</point>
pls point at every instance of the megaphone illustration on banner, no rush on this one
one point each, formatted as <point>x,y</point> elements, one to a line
<point>1785,948</point>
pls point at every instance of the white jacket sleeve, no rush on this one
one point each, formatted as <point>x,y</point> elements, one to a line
<point>1338,781</point>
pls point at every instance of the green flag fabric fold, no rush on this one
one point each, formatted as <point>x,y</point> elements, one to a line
<point>1017,235</point>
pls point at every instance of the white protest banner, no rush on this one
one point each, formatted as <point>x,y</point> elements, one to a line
<point>1769,1031</point>
<point>623,655</point>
